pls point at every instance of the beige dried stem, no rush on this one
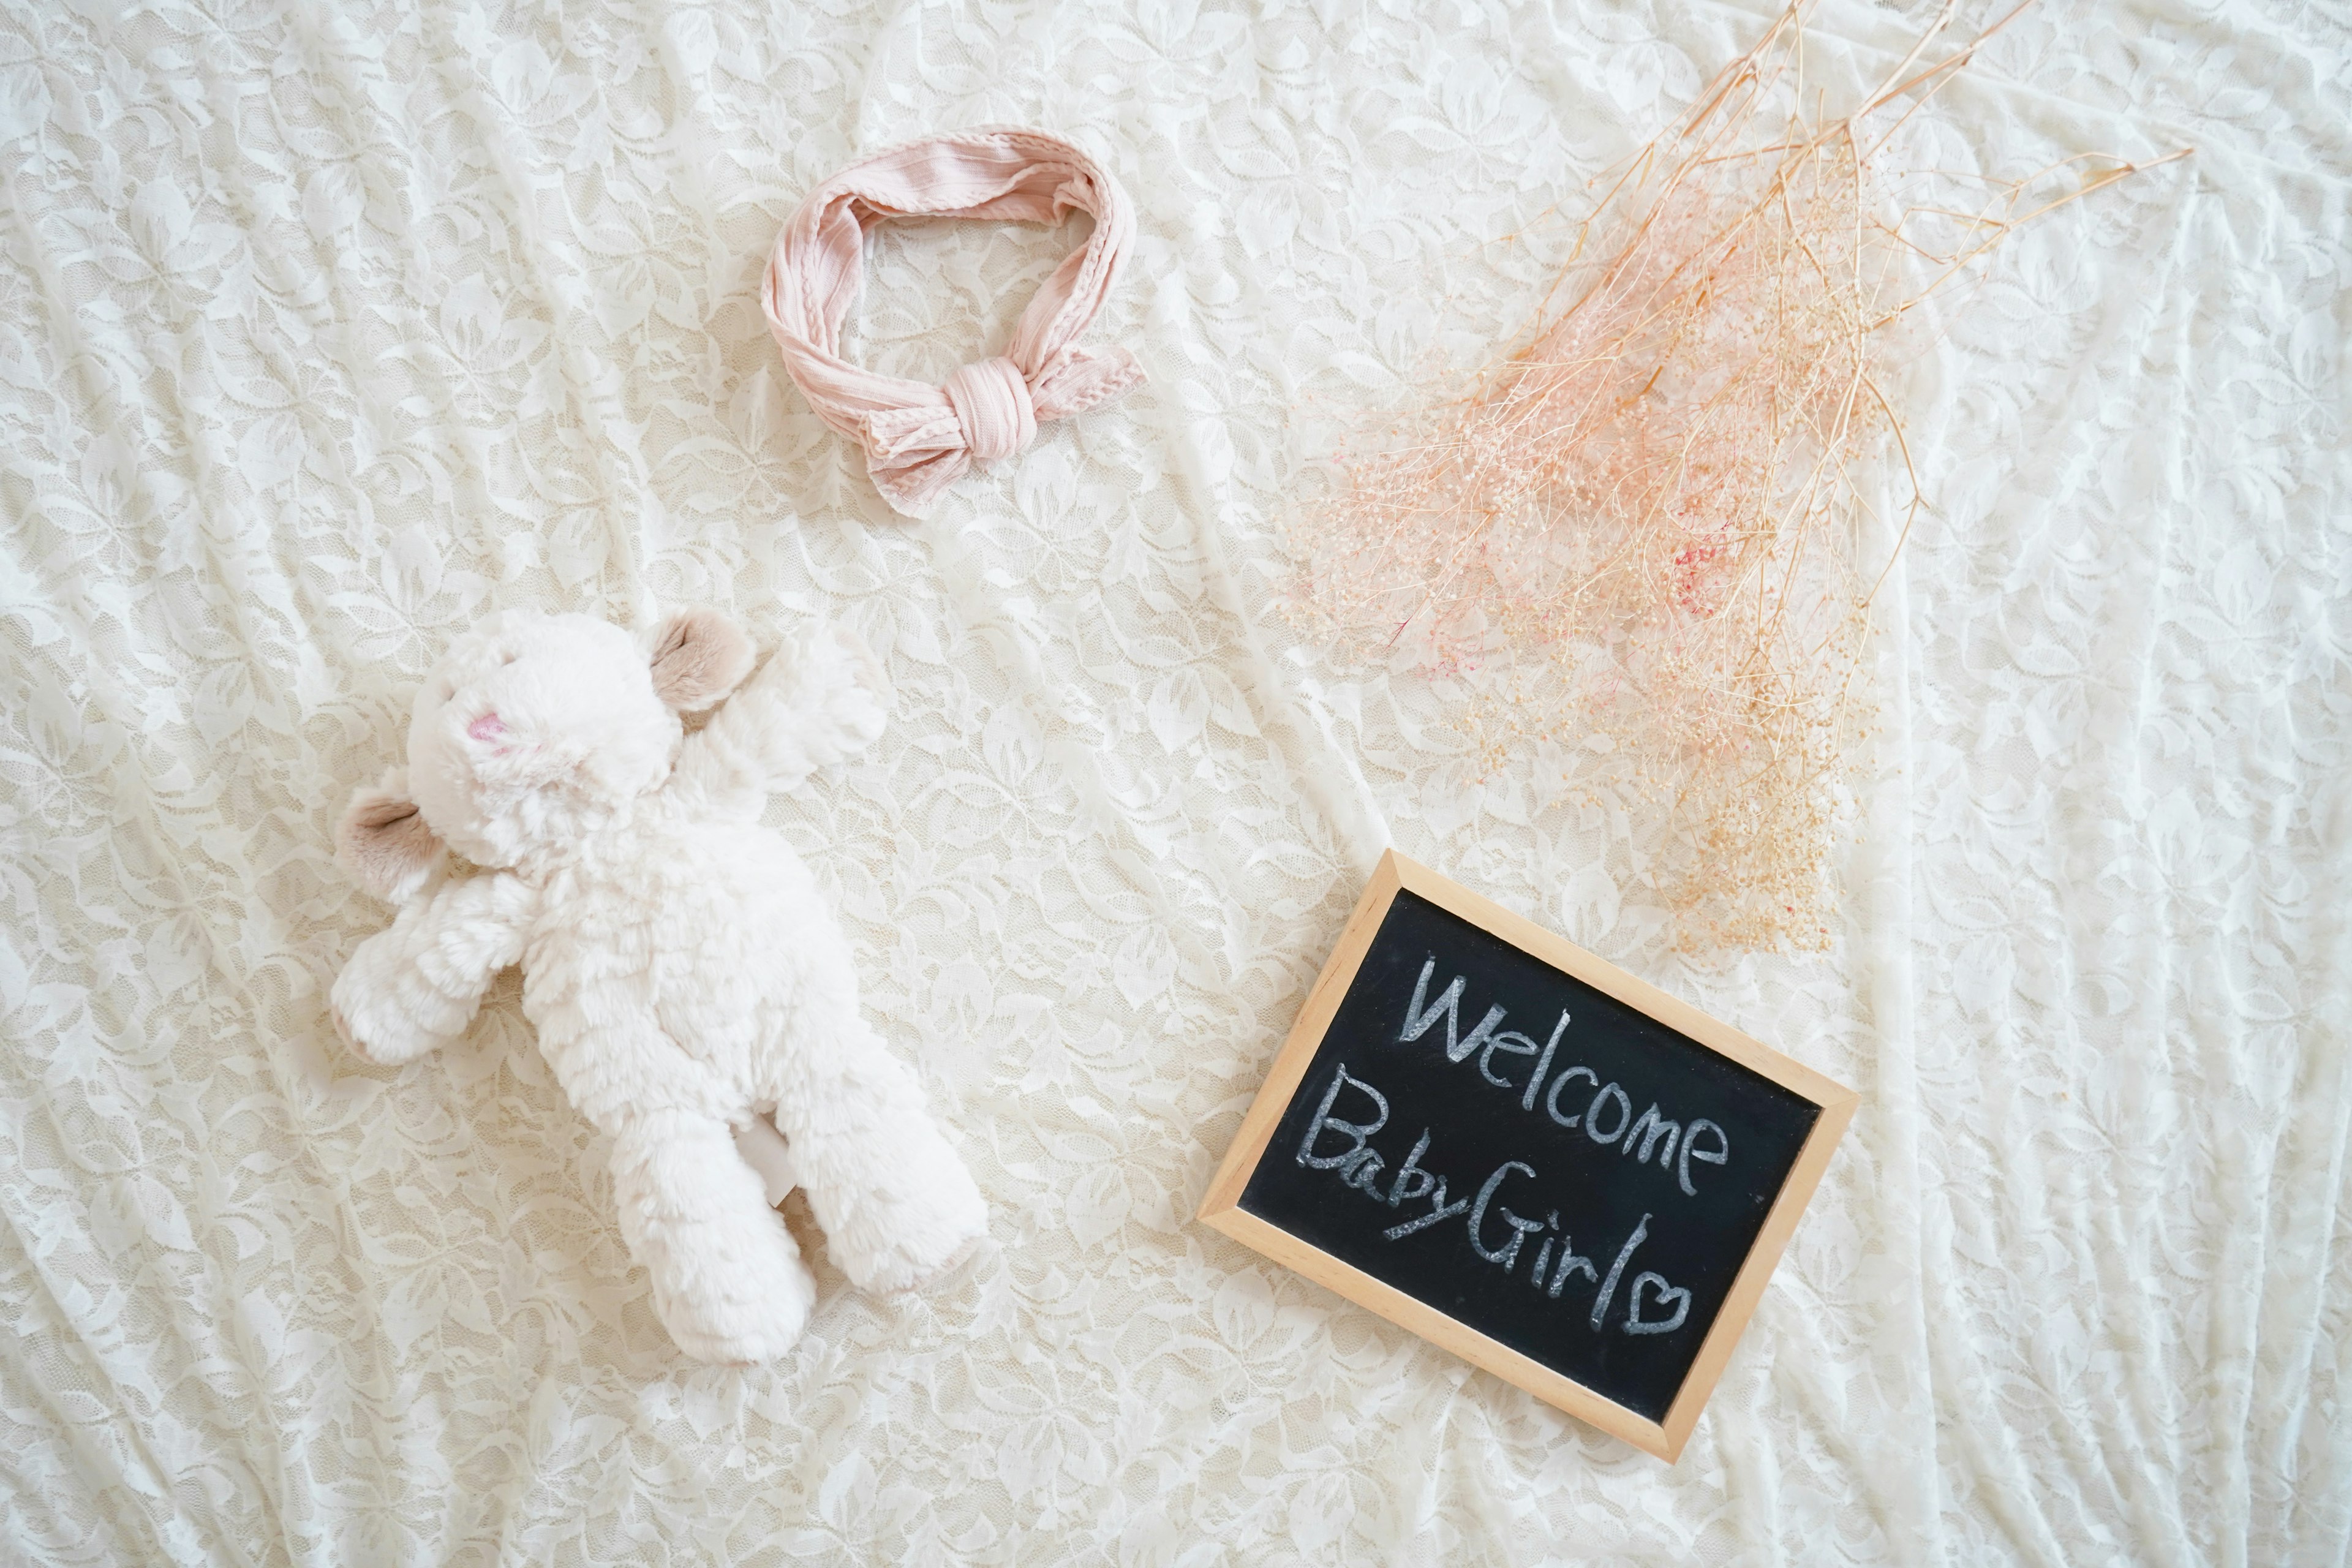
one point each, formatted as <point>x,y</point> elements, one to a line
<point>1639,531</point>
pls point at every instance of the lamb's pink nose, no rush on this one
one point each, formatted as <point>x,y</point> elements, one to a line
<point>488,727</point>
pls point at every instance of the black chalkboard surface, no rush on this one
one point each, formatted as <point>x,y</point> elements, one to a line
<point>1528,1156</point>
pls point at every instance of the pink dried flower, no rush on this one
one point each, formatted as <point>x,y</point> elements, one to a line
<point>1644,521</point>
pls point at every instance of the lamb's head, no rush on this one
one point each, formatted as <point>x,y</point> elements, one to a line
<point>531,731</point>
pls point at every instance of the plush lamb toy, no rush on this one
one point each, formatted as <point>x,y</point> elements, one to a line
<point>685,979</point>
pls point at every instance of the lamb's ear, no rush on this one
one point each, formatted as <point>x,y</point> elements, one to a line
<point>699,656</point>
<point>382,841</point>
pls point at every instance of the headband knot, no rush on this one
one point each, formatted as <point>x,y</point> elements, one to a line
<point>920,439</point>
<point>993,408</point>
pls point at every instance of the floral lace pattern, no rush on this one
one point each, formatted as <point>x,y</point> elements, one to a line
<point>325,329</point>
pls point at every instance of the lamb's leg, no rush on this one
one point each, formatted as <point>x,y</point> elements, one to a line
<point>729,1282</point>
<point>896,1205</point>
<point>415,986</point>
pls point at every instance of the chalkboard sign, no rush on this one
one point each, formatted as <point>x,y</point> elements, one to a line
<point>1482,1132</point>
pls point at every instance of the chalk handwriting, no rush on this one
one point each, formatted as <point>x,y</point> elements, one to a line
<point>1417,1021</point>
<point>1624,1256</point>
<point>1358,1164</point>
<point>1634,1324</point>
<point>1569,1263</point>
<point>1624,1115</point>
<point>1543,1066</point>
<point>1507,1255</point>
<point>1652,1136</point>
<point>1357,1132</point>
<point>1432,1187</point>
<point>1498,1233</point>
<point>1690,1151</point>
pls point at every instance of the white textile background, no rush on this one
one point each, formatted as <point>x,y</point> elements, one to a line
<point>326,328</point>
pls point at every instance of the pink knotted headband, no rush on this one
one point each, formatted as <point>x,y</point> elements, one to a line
<point>920,439</point>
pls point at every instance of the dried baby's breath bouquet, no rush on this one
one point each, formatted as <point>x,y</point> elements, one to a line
<point>1643,529</point>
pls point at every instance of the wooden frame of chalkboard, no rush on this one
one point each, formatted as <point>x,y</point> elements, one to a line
<point>1826,1105</point>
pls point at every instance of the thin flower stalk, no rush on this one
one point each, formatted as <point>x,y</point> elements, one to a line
<point>1639,531</point>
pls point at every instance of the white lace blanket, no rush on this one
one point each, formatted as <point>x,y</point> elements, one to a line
<point>325,329</point>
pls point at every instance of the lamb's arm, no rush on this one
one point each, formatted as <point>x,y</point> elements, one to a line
<point>817,700</point>
<point>416,986</point>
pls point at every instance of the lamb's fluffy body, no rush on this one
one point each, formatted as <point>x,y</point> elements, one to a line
<point>681,968</point>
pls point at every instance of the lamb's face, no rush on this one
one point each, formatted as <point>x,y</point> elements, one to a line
<point>530,732</point>
<point>532,729</point>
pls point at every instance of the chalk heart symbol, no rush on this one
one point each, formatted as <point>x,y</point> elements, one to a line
<point>1672,1296</point>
